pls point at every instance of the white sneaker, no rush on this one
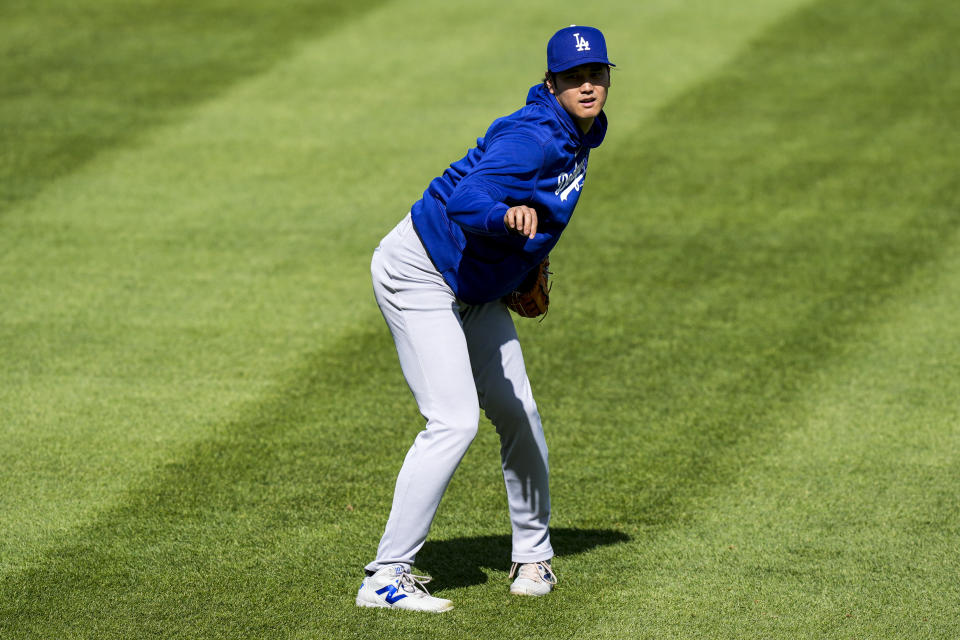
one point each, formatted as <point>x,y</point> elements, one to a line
<point>533,578</point>
<point>394,587</point>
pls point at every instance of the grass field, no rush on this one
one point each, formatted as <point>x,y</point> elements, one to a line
<point>749,377</point>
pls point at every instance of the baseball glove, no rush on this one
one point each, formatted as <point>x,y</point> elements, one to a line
<point>531,298</point>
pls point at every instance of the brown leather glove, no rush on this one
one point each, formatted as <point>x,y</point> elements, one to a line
<point>531,298</point>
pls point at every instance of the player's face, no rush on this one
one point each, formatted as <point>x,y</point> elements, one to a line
<point>582,91</point>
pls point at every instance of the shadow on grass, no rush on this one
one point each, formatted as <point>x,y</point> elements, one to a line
<point>459,562</point>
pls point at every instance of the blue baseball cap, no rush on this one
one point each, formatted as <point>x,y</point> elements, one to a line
<point>573,46</point>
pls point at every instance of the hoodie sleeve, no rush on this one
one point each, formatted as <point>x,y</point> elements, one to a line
<point>507,173</point>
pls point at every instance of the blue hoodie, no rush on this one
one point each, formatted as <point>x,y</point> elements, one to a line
<point>536,156</point>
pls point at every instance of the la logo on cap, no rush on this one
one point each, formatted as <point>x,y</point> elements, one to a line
<point>582,43</point>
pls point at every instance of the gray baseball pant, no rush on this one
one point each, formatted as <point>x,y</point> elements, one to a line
<point>457,359</point>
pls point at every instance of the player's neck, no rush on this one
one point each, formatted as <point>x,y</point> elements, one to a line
<point>583,123</point>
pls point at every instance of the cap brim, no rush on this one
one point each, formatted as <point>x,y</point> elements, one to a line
<point>578,62</point>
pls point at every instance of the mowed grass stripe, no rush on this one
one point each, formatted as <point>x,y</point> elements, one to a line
<point>216,576</point>
<point>79,78</point>
<point>154,293</point>
<point>125,544</point>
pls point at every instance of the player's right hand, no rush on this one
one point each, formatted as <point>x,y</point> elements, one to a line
<point>522,219</point>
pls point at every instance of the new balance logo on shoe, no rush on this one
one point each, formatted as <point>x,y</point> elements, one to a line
<point>391,591</point>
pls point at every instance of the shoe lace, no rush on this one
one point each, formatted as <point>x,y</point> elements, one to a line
<point>411,583</point>
<point>536,571</point>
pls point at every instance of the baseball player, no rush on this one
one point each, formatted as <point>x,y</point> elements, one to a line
<point>440,278</point>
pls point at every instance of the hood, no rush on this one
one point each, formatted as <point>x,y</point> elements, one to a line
<point>539,95</point>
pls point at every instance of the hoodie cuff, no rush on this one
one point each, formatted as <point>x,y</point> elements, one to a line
<point>495,224</point>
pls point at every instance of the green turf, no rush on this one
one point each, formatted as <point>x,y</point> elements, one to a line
<point>749,378</point>
<point>79,77</point>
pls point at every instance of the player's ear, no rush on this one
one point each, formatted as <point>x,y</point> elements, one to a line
<point>548,82</point>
